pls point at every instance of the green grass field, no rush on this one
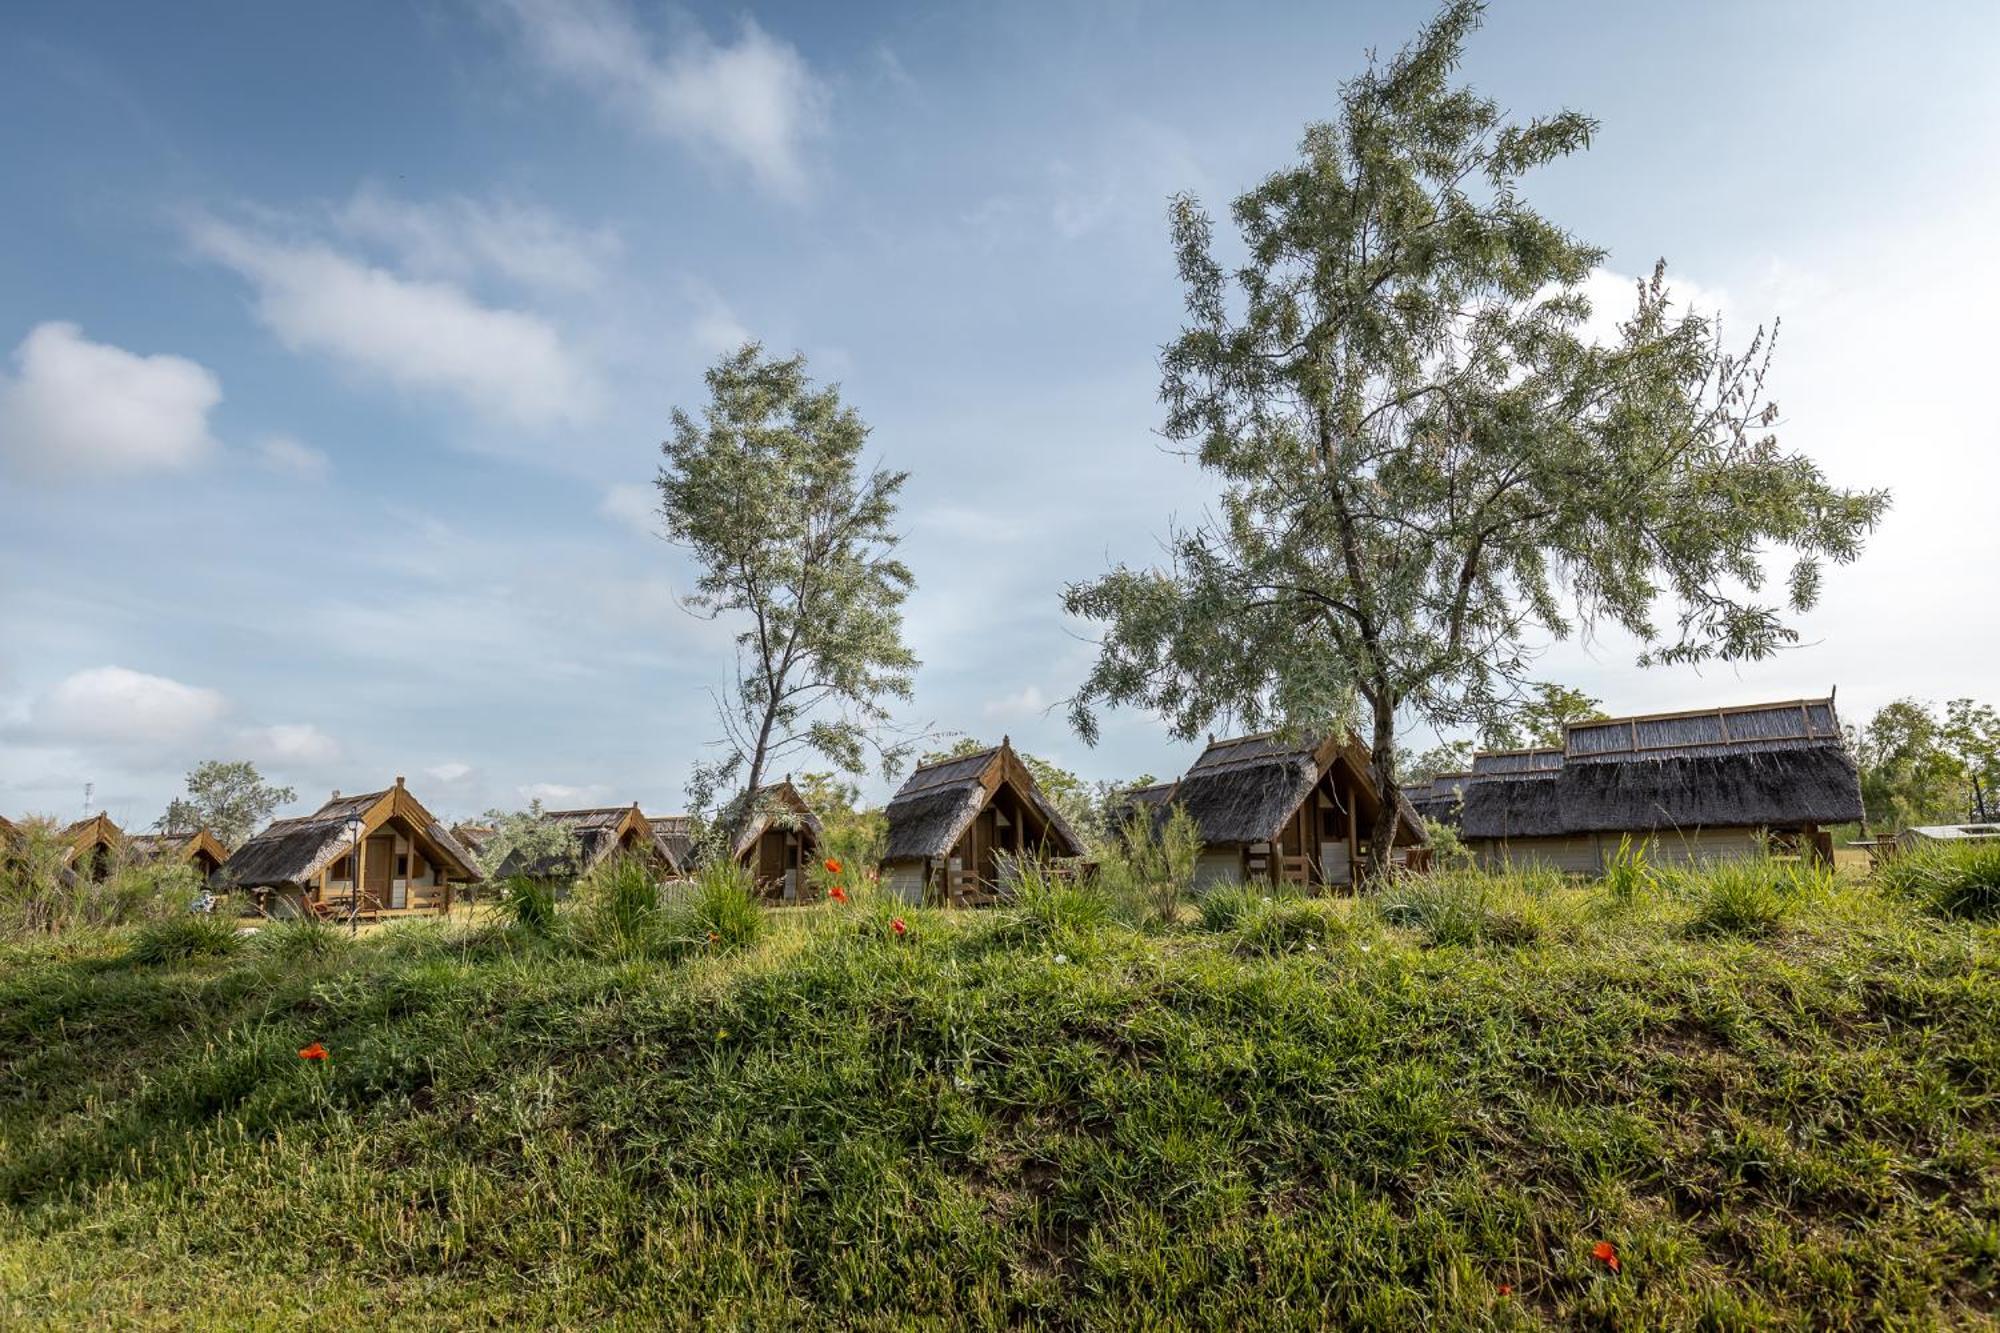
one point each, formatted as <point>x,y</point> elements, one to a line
<point>1772,1095</point>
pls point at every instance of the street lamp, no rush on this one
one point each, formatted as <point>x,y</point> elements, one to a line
<point>354,826</point>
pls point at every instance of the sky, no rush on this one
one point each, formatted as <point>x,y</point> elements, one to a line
<point>337,342</point>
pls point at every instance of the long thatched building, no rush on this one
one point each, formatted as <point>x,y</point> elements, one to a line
<point>408,863</point>
<point>602,835</point>
<point>1691,786</point>
<point>1283,811</point>
<point>956,825</point>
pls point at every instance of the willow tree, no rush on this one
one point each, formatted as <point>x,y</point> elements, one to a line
<point>794,540</point>
<point>1426,462</point>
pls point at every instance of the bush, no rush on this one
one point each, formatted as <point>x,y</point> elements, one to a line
<point>1752,896</point>
<point>1153,871</point>
<point>723,912</point>
<point>1044,907</point>
<point>1960,881</point>
<point>530,903</point>
<point>178,939</point>
<point>39,895</point>
<point>1269,927</point>
<point>622,897</point>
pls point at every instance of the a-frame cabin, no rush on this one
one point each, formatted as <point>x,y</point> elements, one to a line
<point>96,845</point>
<point>409,863</point>
<point>779,841</point>
<point>956,824</point>
<point>199,850</point>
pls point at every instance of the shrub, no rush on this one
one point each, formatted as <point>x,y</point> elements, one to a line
<point>1750,896</point>
<point>177,939</point>
<point>530,903</point>
<point>39,894</point>
<point>723,911</point>
<point>622,897</point>
<point>1950,880</point>
<point>1154,871</point>
<point>1045,907</point>
<point>1287,925</point>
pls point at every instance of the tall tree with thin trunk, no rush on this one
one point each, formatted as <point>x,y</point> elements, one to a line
<point>1427,465</point>
<point>794,539</point>
<point>230,799</point>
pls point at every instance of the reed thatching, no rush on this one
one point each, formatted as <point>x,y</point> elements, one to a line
<point>1761,766</point>
<point>1242,791</point>
<point>675,836</point>
<point>291,852</point>
<point>932,809</point>
<point>778,804</point>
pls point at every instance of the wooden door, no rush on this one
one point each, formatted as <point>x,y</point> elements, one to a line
<point>378,867</point>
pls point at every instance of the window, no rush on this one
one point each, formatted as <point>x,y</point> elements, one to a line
<point>341,869</point>
<point>403,866</point>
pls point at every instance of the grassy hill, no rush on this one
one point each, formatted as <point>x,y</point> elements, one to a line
<point>1772,1096</point>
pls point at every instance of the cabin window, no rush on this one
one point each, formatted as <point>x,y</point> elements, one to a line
<point>403,866</point>
<point>341,869</point>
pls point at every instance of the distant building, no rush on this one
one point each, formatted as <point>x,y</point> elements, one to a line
<point>95,847</point>
<point>409,862</point>
<point>199,849</point>
<point>781,838</point>
<point>957,825</point>
<point>1286,812</point>
<point>601,836</point>
<point>1949,833</point>
<point>1695,786</point>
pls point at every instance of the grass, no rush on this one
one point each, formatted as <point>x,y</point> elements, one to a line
<point>1040,1115</point>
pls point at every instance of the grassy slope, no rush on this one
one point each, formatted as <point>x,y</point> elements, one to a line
<point>984,1124</point>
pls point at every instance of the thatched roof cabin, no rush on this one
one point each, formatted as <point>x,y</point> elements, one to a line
<point>409,862</point>
<point>96,845</point>
<point>601,835</point>
<point>1440,799</point>
<point>780,840</point>
<point>1150,802</point>
<point>1286,811</point>
<point>1698,785</point>
<point>199,849</point>
<point>957,824</point>
<point>675,834</point>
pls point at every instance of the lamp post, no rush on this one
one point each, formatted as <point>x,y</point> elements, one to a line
<point>354,825</point>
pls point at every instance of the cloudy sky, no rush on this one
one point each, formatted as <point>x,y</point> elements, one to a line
<point>336,343</point>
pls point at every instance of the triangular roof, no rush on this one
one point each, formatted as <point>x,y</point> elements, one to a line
<point>95,831</point>
<point>936,804</point>
<point>764,806</point>
<point>293,851</point>
<point>598,834</point>
<point>180,848</point>
<point>675,835</point>
<point>1243,789</point>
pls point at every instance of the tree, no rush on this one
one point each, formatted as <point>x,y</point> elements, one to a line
<point>1543,720</point>
<point>1972,732</point>
<point>541,841</point>
<point>1426,464</point>
<point>767,493</point>
<point>852,832</point>
<point>1442,758</point>
<point>229,799</point>
<point>1918,768</point>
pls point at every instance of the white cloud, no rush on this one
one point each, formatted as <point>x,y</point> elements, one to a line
<point>558,796</point>
<point>457,238</point>
<point>80,407</point>
<point>293,457</point>
<point>448,774</point>
<point>292,743</point>
<point>634,504</point>
<point>1028,702</point>
<point>419,334</point>
<point>122,706</point>
<point>755,99</point>
<point>1614,296</point>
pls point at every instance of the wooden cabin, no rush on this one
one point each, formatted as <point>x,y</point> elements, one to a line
<point>409,864</point>
<point>96,846</point>
<point>602,835</point>
<point>1705,785</point>
<point>779,841</point>
<point>956,825</point>
<point>1276,811</point>
<point>675,834</point>
<point>199,849</point>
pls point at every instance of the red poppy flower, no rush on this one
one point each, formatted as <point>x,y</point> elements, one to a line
<point>837,893</point>
<point>832,866</point>
<point>898,926</point>
<point>1605,1253</point>
<point>1506,1290</point>
<point>714,938</point>
<point>313,1052</point>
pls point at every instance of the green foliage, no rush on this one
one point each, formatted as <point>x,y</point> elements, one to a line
<point>1462,907</point>
<point>177,939</point>
<point>836,1127</point>
<point>1225,907</point>
<point>303,941</point>
<point>529,901</point>
<point>623,897</point>
<point>1919,768</point>
<point>1445,757</point>
<point>1448,849</point>
<point>1426,465</point>
<point>766,493</point>
<point>1044,908</point>
<point>1628,874</point>
<point>1957,880</point>
<point>1542,720</point>
<point>724,912</point>
<point>1753,896</point>
<point>854,836</point>
<point>230,800</point>
<point>541,843</point>
<point>1153,870</point>
<point>39,895</point>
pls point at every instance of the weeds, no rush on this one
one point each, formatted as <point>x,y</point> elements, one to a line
<point>1959,881</point>
<point>178,939</point>
<point>1754,896</point>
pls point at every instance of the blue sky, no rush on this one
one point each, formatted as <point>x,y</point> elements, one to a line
<point>336,343</point>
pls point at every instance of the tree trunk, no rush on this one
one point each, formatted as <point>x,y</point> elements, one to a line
<point>1388,818</point>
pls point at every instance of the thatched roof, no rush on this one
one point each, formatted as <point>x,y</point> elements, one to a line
<point>293,851</point>
<point>1243,790</point>
<point>932,809</point>
<point>94,831</point>
<point>1761,766</point>
<point>179,848</point>
<point>1541,761</point>
<point>598,833</point>
<point>675,835</point>
<point>1439,799</point>
<point>777,803</point>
